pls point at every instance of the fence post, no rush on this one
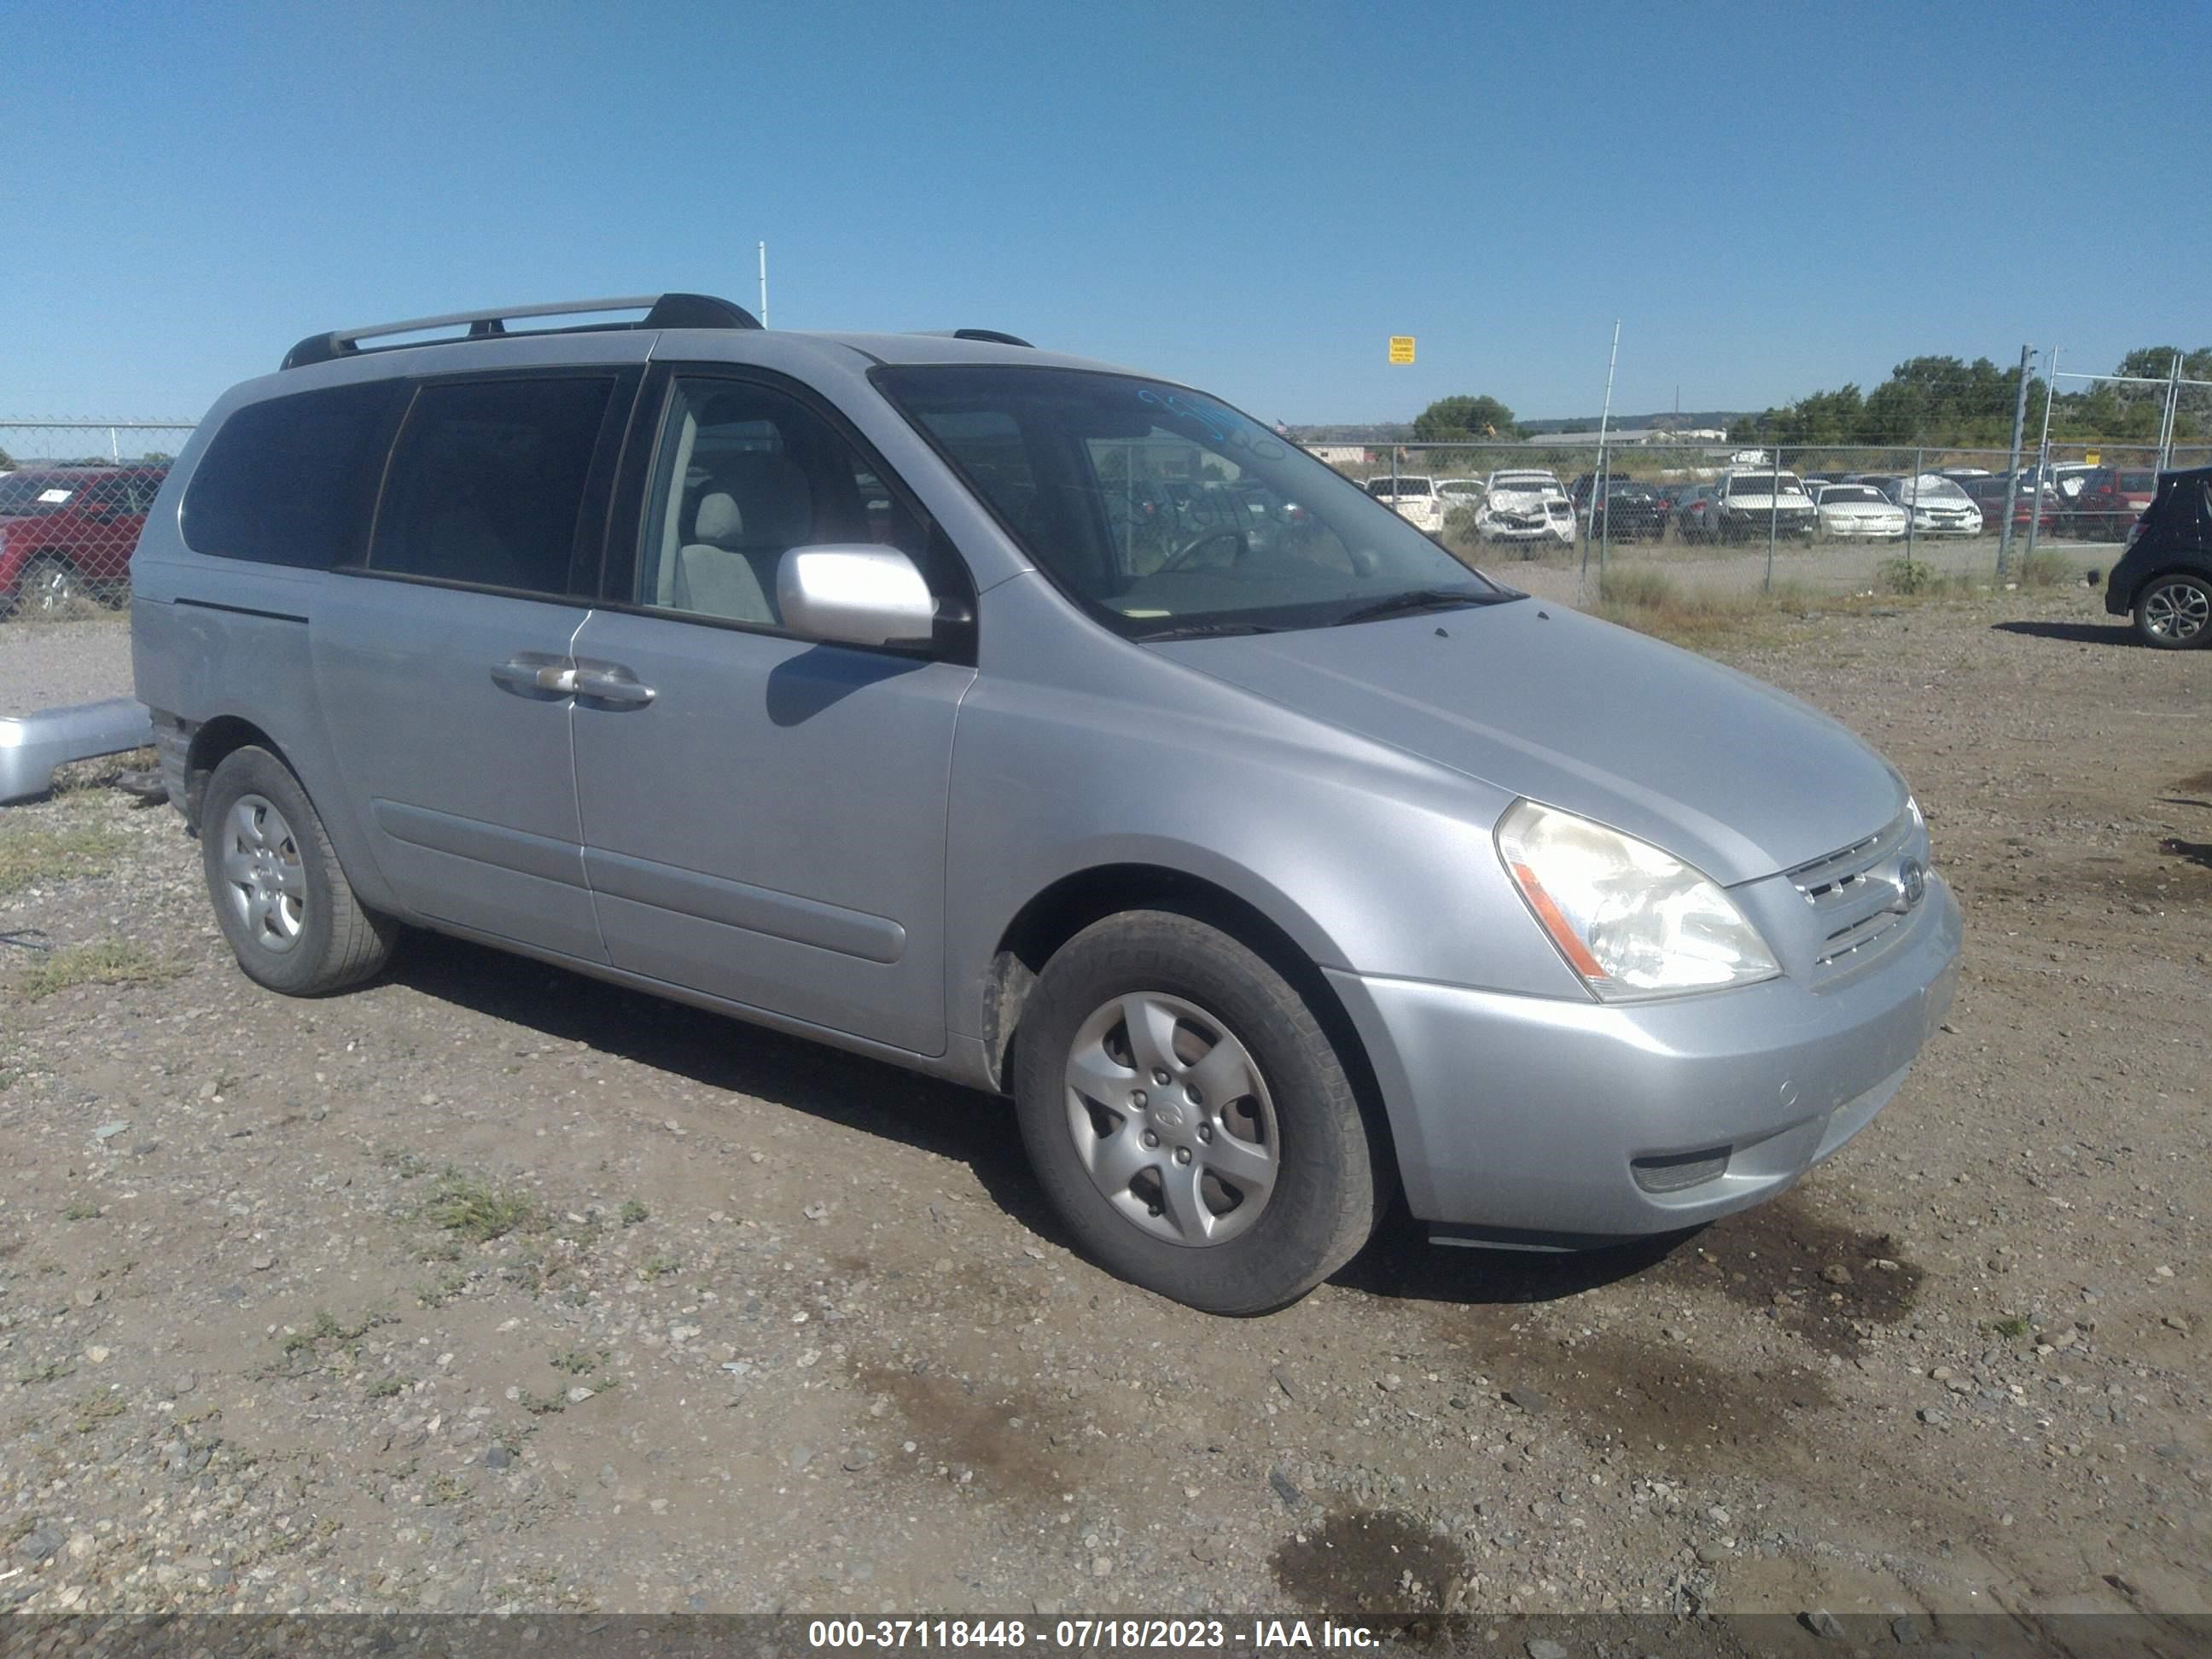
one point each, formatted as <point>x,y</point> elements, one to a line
<point>1773,516</point>
<point>1912,493</point>
<point>2012,477</point>
<point>2043,458</point>
<point>2172,404</point>
<point>114,447</point>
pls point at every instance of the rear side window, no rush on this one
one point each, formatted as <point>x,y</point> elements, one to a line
<point>486,481</point>
<point>290,481</point>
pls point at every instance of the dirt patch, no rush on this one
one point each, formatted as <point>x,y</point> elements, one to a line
<point>985,1435</point>
<point>1372,1561</point>
<point>1823,1281</point>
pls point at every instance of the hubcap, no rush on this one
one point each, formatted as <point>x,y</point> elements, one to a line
<point>57,587</point>
<point>263,875</point>
<point>2179,611</point>
<point>1172,1119</point>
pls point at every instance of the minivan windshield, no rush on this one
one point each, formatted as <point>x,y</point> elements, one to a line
<point>1162,511</point>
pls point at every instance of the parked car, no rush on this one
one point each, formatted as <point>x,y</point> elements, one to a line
<point>1460,492</point>
<point>2111,498</point>
<point>66,533</point>
<point>1697,513</point>
<point>1988,493</point>
<point>1936,505</point>
<point>1414,498</point>
<point>1427,888</point>
<point>1525,507</point>
<point>2164,579</point>
<point>1857,512</point>
<point>1626,512</point>
<point>1756,503</point>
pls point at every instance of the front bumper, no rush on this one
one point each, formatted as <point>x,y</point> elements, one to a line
<point>1537,1118</point>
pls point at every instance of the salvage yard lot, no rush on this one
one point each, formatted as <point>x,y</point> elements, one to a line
<point>489,1287</point>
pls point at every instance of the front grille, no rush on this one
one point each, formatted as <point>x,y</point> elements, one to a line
<point>1857,895</point>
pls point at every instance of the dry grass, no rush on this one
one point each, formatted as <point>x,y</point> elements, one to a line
<point>105,962</point>
<point>1651,602</point>
<point>82,777</point>
<point>30,857</point>
<point>479,1212</point>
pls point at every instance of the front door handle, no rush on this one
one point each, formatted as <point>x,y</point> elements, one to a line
<point>611,685</point>
<point>534,674</point>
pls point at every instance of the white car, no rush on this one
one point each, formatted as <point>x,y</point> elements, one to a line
<point>1858,512</point>
<point>1938,506</point>
<point>1460,492</point>
<point>1413,497</point>
<point>1525,506</point>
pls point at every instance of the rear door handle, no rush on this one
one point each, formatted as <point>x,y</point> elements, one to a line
<point>535,674</point>
<point>611,685</point>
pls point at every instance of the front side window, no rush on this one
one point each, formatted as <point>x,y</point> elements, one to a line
<point>486,481</point>
<point>1161,510</point>
<point>746,472</point>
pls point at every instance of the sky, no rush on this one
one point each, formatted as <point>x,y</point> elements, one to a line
<point>1250,198</point>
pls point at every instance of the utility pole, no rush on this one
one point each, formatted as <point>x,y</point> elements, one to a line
<point>764,306</point>
<point>2012,478</point>
<point>2165,422</point>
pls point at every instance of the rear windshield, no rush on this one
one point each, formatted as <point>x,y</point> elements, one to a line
<point>1837,494</point>
<point>1763,484</point>
<point>34,495</point>
<point>2137,483</point>
<point>1100,479</point>
<point>1398,487</point>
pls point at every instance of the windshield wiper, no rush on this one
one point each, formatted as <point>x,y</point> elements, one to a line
<point>1418,598</point>
<point>1202,631</point>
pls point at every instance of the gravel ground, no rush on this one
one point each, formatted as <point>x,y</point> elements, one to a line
<point>51,665</point>
<point>490,1287</point>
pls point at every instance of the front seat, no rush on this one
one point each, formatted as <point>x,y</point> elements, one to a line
<point>714,578</point>
<point>759,507</point>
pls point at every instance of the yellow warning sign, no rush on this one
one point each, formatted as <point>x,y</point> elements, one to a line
<point>1402,348</point>
<point>2090,457</point>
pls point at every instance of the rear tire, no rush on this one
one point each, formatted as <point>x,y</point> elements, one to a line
<point>48,587</point>
<point>2174,613</point>
<point>1189,1119</point>
<point>290,916</point>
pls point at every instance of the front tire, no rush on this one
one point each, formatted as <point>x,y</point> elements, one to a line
<point>49,587</point>
<point>1188,1118</point>
<point>290,916</point>
<point>2174,613</point>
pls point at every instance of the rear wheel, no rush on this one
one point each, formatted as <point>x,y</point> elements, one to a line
<point>49,587</point>
<point>2174,613</point>
<point>1188,1118</point>
<point>283,903</point>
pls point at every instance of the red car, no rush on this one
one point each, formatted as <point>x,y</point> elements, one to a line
<point>2111,499</point>
<point>1988,493</point>
<point>67,531</point>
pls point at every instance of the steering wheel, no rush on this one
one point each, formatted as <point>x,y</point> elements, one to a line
<point>1188,553</point>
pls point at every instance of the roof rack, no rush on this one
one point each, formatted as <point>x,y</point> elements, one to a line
<point>995,336</point>
<point>661,311</point>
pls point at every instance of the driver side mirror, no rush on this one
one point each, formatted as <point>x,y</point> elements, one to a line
<point>854,595</point>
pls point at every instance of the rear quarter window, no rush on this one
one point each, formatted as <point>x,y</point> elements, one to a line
<point>292,480</point>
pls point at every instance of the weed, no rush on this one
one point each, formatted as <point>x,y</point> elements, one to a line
<point>96,1408</point>
<point>1650,602</point>
<point>110,962</point>
<point>329,1333</point>
<point>386,1387</point>
<point>1913,578</point>
<point>29,857</point>
<point>657,1266</point>
<point>576,1362</point>
<point>437,1295</point>
<point>444,1489</point>
<point>2012,1327</point>
<point>543,1405</point>
<point>633,1213</point>
<point>479,1212</point>
<point>52,1371</point>
<point>81,1210</point>
<point>405,1163</point>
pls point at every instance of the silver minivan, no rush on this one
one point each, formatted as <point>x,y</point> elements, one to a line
<point>898,690</point>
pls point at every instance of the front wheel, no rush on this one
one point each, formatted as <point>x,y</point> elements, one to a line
<point>49,587</point>
<point>1188,1118</point>
<point>285,905</point>
<point>2174,613</point>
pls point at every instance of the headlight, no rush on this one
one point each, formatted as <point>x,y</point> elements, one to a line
<point>1633,920</point>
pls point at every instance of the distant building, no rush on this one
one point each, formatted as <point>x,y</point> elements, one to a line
<point>1340,454</point>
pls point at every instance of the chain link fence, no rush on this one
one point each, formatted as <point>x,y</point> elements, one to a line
<point>1824,519</point>
<point>73,498</point>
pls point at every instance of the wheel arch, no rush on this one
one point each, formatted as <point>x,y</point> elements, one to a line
<point>1067,906</point>
<point>213,742</point>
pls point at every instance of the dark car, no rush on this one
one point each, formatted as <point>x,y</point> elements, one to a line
<point>2111,498</point>
<point>2164,578</point>
<point>1628,512</point>
<point>1988,493</point>
<point>68,532</point>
